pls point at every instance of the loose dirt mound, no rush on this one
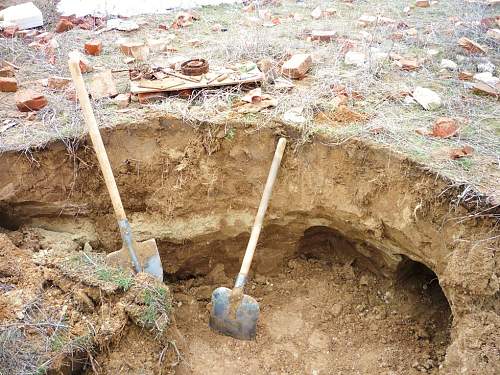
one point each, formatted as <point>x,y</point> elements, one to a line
<point>60,311</point>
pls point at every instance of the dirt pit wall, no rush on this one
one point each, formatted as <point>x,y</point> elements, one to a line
<point>196,192</point>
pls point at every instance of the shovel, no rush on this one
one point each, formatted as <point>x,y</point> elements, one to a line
<point>143,256</point>
<point>233,313</point>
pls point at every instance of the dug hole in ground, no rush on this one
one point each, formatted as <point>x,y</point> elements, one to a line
<point>367,263</point>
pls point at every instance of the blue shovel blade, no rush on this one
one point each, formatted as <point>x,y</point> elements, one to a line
<point>243,326</point>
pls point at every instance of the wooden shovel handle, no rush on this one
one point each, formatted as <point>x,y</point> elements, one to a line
<point>257,225</point>
<point>95,135</point>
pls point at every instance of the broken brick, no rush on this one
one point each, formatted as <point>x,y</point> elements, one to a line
<point>408,64</point>
<point>458,153</point>
<point>7,71</point>
<point>8,84</point>
<point>126,47</point>
<point>465,76</point>
<point>85,65</point>
<point>323,35</point>
<point>444,127</point>
<point>29,100</point>
<point>43,37</point>
<point>94,47</point>
<point>58,83</point>
<point>10,31</point>
<point>297,66</point>
<point>64,25</point>
<point>471,46</point>
<point>423,3</point>
<point>150,97</point>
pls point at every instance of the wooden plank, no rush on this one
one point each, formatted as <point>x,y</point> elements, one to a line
<point>136,87</point>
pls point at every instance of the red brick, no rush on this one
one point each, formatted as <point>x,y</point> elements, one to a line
<point>297,66</point>
<point>94,47</point>
<point>8,84</point>
<point>7,71</point>
<point>29,100</point>
<point>64,25</point>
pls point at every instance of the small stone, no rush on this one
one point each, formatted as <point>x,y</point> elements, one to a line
<point>29,100</point>
<point>204,293</point>
<point>448,64</point>
<point>427,98</point>
<point>354,58</point>
<point>364,280</point>
<point>8,84</point>
<point>316,13</point>
<point>93,47</point>
<point>336,309</point>
<point>487,66</point>
<point>122,100</point>
<point>87,248</point>
<point>366,20</point>
<point>493,33</point>
<point>487,78</point>
<point>297,66</point>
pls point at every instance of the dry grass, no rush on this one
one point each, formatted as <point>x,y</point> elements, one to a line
<point>392,122</point>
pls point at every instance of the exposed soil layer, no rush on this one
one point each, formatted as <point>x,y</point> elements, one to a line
<point>357,244</point>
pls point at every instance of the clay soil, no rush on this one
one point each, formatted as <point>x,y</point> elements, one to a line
<point>319,317</point>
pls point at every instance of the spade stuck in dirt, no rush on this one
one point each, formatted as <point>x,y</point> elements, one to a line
<point>142,256</point>
<point>233,313</point>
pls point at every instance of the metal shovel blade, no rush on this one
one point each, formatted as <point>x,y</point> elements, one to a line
<point>148,255</point>
<point>243,326</point>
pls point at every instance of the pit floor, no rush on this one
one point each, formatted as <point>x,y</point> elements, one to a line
<point>321,317</point>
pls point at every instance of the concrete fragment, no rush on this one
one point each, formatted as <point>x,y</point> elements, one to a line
<point>8,84</point>
<point>29,100</point>
<point>427,98</point>
<point>94,47</point>
<point>25,16</point>
<point>448,64</point>
<point>485,89</point>
<point>102,85</point>
<point>355,58</point>
<point>297,66</point>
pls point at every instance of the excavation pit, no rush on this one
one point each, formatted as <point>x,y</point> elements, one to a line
<point>357,269</point>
